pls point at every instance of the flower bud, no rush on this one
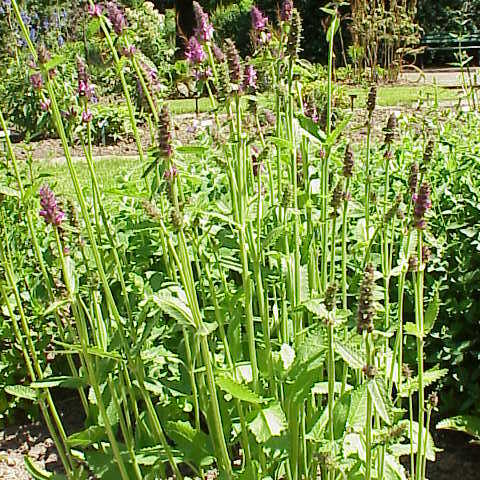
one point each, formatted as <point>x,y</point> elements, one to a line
<point>330,294</point>
<point>366,307</point>
<point>348,162</point>
<point>372,99</point>
<point>390,129</point>
<point>413,178</point>
<point>234,62</point>
<point>337,199</point>
<point>295,34</point>
<point>422,204</point>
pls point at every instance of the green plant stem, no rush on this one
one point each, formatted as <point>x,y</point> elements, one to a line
<point>368,179</point>
<point>420,347</point>
<point>369,417</point>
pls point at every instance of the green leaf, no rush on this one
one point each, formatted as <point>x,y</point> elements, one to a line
<point>462,423</point>
<point>272,237</point>
<point>411,329</point>
<point>269,422</point>
<point>310,127</point>
<point>430,376</point>
<point>340,414</point>
<point>317,307</point>
<point>21,391</point>
<point>357,416</point>
<point>174,306</point>
<point>64,382</point>
<point>54,62</point>
<point>93,27</point>
<point>321,388</point>
<point>71,273</point>
<point>381,401</point>
<point>87,437</point>
<point>9,192</point>
<point>316,433</point>
<point>237,390</point>
<point>55,306</point>
<point>194,444</point>
<point>350,354</point>
<point>394,470</point>
<point>338,130</point>
<point>431,313</point>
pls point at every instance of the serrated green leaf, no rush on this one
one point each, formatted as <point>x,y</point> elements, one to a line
<point>350,354</point>
<point>381,401</point>
<point>174,306</point>
<point>394,470</point>
<point>431,313</point>
<point>9,192</point>
<point>21,391</point>
<point>411,329</point>
<point>357,416</point>
<point>90,435</point>
<point>269,422</point>
<point>63,381</point>
<point>237,390</point>
<point>272,237</point>
<point>462,423</point>
<point>430,376</point>
<point>317,307</point>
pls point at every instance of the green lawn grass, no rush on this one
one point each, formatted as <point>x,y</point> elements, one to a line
<point>404,95</point>
<point>110,171</point>
<point>187,105</point>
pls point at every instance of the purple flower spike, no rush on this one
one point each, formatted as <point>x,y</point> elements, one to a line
<point>95,10</point>
<point>250,77</point>
<point>286,12</point>
<point>87,116</point>
<point>50,212</point>
<point>422,204</point>
<point>45,105</point>
<point>204,29</point>
<point>36,80</point>
<point>129,51</point>
<point>116,17</point>
<point>195,52</point>
<point>259,20</point>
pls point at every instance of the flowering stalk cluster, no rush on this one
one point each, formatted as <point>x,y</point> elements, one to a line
<point>286,11</point>
<point>234,62</point>
<point>295,34</point>
<point>348,162</point>
<point>165,133</point>
<point>116,17</point>
<point>422,204</point>
<point>51,212</point>
<point>366,307</point>
<point>204,29</point>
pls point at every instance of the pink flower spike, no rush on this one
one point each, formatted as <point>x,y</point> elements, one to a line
<point>87,116</point>
<point>94,10</point>
<point>195,52</point>
<point>259,20</point>
<point>45,105</point>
